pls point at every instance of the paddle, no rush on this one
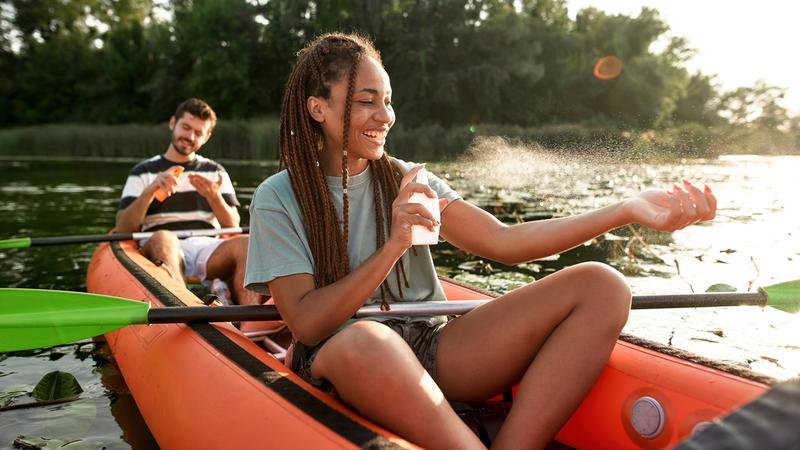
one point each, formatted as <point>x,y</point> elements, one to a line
<point>32,318</point>
<point>84,239</point>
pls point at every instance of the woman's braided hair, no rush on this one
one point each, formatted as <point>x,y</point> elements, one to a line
<point>326,60</point>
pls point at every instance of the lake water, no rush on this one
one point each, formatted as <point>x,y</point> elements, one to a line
<point>755,241</point>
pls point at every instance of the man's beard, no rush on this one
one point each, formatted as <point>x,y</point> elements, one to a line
<point>185,150</point>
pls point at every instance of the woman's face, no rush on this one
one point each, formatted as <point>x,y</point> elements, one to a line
<point>371,116</point>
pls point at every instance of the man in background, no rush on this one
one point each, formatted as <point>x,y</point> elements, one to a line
<point>181,190</point>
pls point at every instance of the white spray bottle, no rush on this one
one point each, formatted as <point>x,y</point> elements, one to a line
<point>421,235</point>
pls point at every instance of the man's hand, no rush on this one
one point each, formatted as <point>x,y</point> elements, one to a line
<point>165,184</point>
<point>205,187</point>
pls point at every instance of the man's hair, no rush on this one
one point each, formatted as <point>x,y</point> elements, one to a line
<point>197,108</point>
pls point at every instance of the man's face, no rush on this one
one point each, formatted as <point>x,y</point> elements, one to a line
<point>189,133</point>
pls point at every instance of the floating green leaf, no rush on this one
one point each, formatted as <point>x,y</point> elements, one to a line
<point>46,443</point>
<point>8,396</point>
<point>721,287</point>
<point>57,385</point>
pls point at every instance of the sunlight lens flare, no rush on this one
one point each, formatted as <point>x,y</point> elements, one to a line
<point>607,67</point>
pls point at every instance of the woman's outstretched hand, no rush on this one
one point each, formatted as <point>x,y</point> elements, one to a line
<point>673,209</point>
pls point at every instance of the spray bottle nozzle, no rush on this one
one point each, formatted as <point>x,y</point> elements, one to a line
<point>422,176</point>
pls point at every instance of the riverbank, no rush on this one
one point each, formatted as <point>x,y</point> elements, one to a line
<point>257,140</point>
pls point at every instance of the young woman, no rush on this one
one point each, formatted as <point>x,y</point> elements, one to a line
<point>332,232</point>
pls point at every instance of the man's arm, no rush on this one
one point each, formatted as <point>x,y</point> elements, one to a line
<point>227,215</point>
<point>130,219</point>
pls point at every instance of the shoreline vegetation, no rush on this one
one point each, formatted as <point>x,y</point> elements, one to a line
<point>257,139</point>
<point>100,79</point>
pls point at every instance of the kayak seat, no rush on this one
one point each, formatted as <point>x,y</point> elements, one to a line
<point>484,419</point>
<point>272,335</point>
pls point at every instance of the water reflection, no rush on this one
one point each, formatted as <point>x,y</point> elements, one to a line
<point>83,423</point>
<point>754,242</point>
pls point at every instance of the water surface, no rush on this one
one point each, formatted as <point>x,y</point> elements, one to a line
<point>755,241</point>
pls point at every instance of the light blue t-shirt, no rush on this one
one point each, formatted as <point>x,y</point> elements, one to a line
<point>278,245</point>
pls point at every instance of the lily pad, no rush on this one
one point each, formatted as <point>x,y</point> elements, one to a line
<point>46,443</point>
<point>57,385</point>
<point>721,287</point>
<point>8,396</point>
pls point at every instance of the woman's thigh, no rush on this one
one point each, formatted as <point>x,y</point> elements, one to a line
<point>489,349</point>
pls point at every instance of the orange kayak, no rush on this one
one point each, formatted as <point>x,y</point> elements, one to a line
<point>215,386</point>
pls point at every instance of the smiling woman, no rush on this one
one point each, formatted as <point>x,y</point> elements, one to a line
<point>341,217</point>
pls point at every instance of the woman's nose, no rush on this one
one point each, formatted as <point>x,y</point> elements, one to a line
<point>385,114</point>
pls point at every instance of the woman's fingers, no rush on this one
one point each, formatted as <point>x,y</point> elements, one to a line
<point>412,188</point>
<point>416,214</point>
<point>697,205</point>
<point>687,205</point>
<point>410,175</point>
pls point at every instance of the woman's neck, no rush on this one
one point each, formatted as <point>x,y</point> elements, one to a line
<point>332,164</point>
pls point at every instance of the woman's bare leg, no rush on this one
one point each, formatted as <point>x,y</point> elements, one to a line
<point>375,371</point>
<point>555,335</point>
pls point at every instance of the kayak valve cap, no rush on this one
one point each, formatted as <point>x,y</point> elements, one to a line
<point>647,417</point>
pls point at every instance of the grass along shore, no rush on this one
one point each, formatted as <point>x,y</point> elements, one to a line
<point>257,140</point>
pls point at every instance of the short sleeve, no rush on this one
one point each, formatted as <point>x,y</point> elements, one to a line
<point>442,189</point>
<point>134,186</point>
<point>226,189</point>
<point>277,246</point>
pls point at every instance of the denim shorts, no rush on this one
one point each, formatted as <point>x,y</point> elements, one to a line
<point>422,337</point>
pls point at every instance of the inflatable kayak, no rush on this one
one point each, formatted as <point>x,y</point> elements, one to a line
<point>214,386</point>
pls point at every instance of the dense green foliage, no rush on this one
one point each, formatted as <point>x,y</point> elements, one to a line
<point>453,63</point>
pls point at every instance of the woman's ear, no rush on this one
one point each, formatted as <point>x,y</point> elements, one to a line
<point>315,108</point>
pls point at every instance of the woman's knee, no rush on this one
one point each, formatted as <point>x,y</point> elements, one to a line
<point>360,348</point>
<point>605,288</point>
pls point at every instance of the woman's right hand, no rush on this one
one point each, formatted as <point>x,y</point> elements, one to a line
<point>405,215</point>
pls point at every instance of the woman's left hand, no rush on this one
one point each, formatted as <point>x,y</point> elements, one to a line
<point>673,209</point>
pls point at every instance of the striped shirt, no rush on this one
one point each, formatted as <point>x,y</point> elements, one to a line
<point>185,209</point>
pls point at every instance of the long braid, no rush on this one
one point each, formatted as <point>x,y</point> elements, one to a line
<point>328,59</point>
<point>386,185</point>
<point>348,105</point>
<point>300,140</point>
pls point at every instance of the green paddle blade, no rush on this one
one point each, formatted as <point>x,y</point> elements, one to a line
<point>36,318</point>
<point>15,243</point>
<point>784,296</point>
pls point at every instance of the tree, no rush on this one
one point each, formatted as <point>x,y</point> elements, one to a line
<point>700,103</point>
<point>220,41</point>
<point>758,104</point>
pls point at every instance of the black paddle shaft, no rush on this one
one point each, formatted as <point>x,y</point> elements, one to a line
<point>703,300</point>
<point>90,238</point>
<point>84,239</point>
<point>233,313</point>
<point>236,313</point>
